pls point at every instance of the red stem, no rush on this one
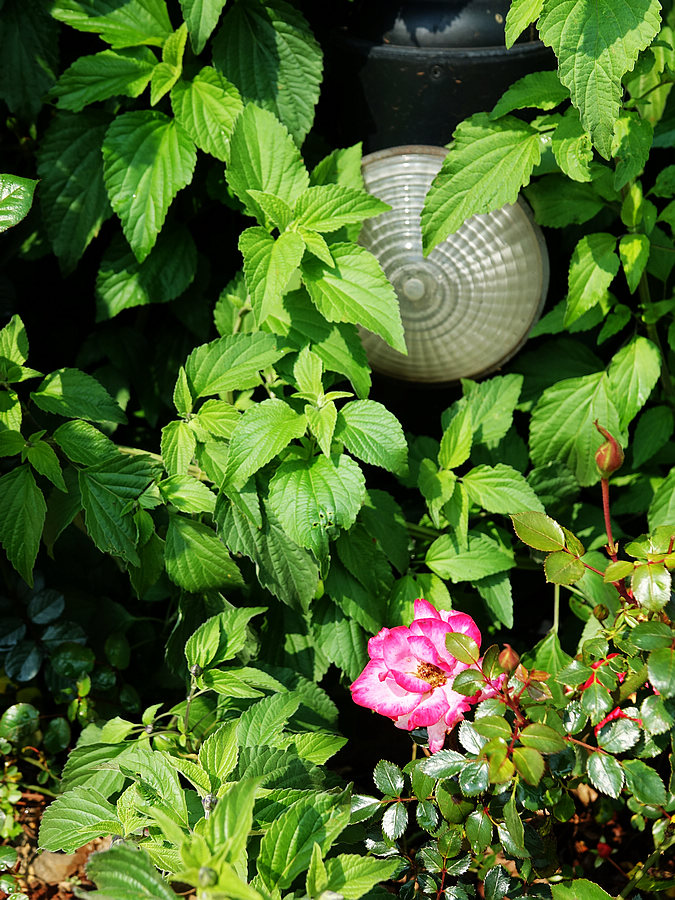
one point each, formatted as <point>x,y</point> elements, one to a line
<point>611,546</point>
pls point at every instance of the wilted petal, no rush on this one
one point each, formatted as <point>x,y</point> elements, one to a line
<point>436,736</point>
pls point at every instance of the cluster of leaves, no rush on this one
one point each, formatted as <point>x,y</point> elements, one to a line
<point>260,812</point>
<point>605,717</point>
<point>192,113</point>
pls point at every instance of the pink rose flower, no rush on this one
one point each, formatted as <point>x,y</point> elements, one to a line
<point>410,673</point>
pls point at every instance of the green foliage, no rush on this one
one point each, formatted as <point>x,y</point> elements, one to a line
<point>215,445</point>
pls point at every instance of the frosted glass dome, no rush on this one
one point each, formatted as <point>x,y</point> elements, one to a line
<point>469,305</point>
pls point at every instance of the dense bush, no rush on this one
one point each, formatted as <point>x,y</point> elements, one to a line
<point>205,516</point>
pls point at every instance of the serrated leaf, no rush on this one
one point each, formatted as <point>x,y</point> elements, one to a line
<point>457,440</point>
<point>579,889</point>
<point>538,530</point>
<point>218,754</point>
<point>661,665</point>
<point>596,44</point>
<point>103,75</point>
<point>44,460</point>
<point>561,567</point>
<point>168,270</point>
<point>262,724</point>
<point>187,494</point>
<point>651,586</point>
<point>483,556</point>
<point>262,432</point>
<point>605,773</point>
<point>178,447</point>
<point>541,90</point>
<point>521,14</point>
<point>72,393</point>
<point>201,17</point>
<point>269,52</point>
<point>643,782</point>
<point>326,208</point>
<point>501,489</point>
<point>286,847</point>
<point>166,73</point>
<point>498,596</point>
<point>355,290</point>
<point>372,433</point>
<point>633,373</point>
<point>557,203</point>
<point>593,266</point>
<point>352,875</point>
<point>529,764</point>
<point>217,417</point>
<point>634,253</point>
<point>394,821</point>
<point>22,516</point>
<point>630,147</point>
<point>572,147</point>
<point>486,167</point>
<point>207,108</point>
<point>147,159</point>
<point>77,817</point>
<point>28,57</point>
<point>542,738</point>
<point>16,199</point>
<point>312,499</point>
<point>284,568</point>
<point>231,363</point>
<point>195,559</point>
<point>322,422</point>
<point>126,873</point>
<point>561,428</point>
<point>264,158</point>
<point>72,192</point>
<point>269,264</point>
<point>388,778</point>
<point>135,22</point>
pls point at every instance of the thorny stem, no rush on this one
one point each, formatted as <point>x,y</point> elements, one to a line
<point>611,546</point>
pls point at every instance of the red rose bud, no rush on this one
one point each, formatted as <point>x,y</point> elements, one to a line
<point>608,456</point>
<point>604,850</point>
<point>508,658</point>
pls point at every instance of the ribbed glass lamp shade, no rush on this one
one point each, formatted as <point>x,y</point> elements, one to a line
<point>469,305</point>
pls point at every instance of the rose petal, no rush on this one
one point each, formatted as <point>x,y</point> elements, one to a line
<point>424,610</point>
<point>436,735</point>
<point>375,644</point>
<point>432,708</point>
<point>376,689</point>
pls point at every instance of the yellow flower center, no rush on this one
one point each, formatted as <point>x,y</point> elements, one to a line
<point>428,672</point>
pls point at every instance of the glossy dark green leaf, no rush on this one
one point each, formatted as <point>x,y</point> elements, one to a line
<point>19,723</point>
<point>45,606</point>
<point>529,764</point>
<point>12,630</point>
<point>388,778</point>
<point>661,664</point>
<point>473,778</point>
<point>605,773</point>
<point>57,735</point>
<point>394,821</point>
<point>23,661</point>
<point>542,738</point>
<point>478,831</point>
<point>72,661</point>
<point>644,782</point>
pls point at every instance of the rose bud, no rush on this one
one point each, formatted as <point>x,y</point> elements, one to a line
<point>608,456</point>
<point>508,658</point>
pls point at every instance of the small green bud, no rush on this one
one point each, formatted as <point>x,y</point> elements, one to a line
<point>600,612</point>
<point>196,671</point>
<point>207,877</point>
